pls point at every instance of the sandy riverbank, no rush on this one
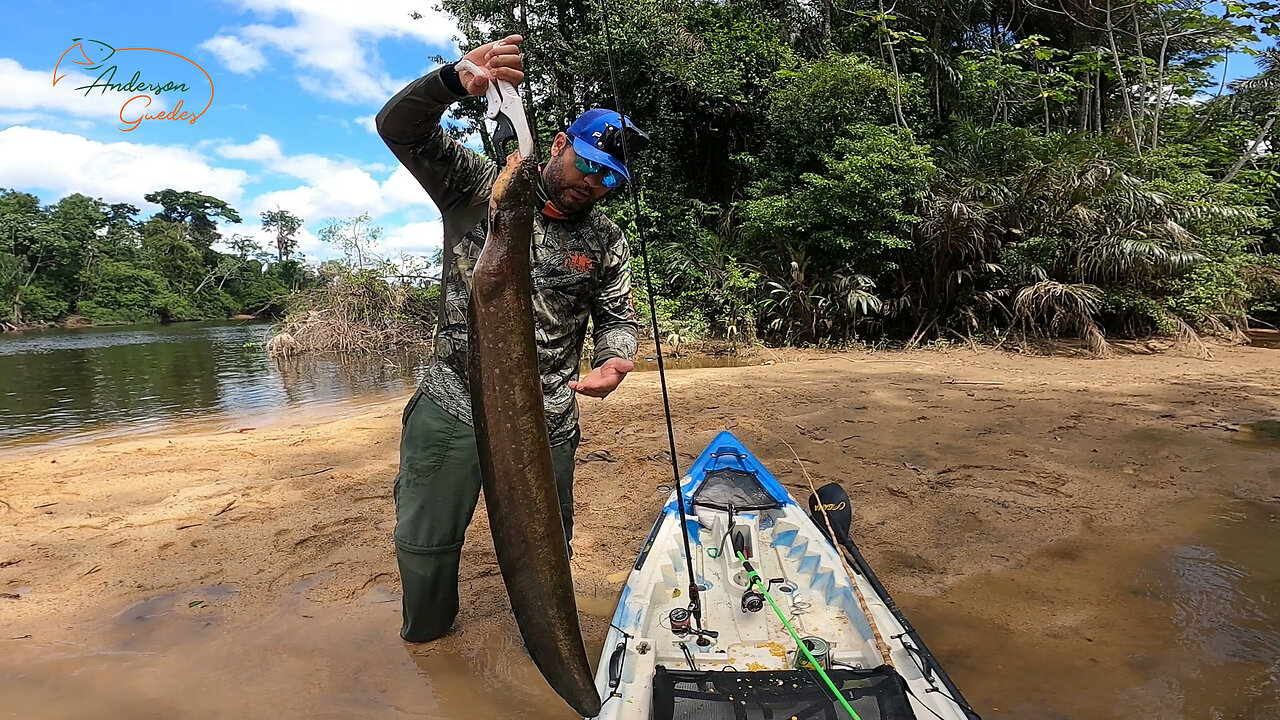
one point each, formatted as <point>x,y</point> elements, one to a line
<point>951,481</point>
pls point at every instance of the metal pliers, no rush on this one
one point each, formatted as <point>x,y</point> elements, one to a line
<point>504,107</point>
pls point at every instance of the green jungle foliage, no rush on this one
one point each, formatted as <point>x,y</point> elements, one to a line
<point>823,172</point>
<point>820,173</point>
<point>82,257</point>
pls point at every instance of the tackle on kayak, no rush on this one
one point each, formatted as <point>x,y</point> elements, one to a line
<point>788,627</point>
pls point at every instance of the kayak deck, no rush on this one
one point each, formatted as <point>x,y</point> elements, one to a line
<point>806,577</point>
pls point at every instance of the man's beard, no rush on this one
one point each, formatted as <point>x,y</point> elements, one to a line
<point>559,191</point>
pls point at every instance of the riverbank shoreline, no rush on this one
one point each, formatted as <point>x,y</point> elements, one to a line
<point>963,464</point>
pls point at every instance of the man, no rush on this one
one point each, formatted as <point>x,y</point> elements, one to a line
<point>580,272</point>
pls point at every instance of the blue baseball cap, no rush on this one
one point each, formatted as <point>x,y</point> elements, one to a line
<point>597,136</point>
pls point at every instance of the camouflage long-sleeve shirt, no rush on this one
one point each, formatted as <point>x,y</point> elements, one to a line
<point>580,265</point>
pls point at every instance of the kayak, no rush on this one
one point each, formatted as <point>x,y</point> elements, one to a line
<point>787,613</point>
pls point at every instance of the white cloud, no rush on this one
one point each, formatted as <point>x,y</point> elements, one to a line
<point>401,190</point>
<point>263,149</point>
<point>368,122</point>
<point>420,238</point>
<point>22,118</point>
<point>236,55</point>
<point>333,42</point>
<point>334,188</point>
<point>33,94</point>
<point>346,192</point>
<point>66,163</point>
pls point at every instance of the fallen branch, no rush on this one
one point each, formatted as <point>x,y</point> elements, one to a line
<point>317,472</point>
<point>227,507</point>
<point>971,382</point>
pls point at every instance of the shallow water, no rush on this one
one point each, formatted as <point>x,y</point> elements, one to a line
<point>70,385</point>
<point>1186,628</point>
<point>163,659</point>
<point>58,385</point>
<point>1260,434</point>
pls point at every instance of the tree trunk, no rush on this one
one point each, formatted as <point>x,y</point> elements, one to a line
<point>1124,85</point>
<point>1253,146</point>
<point>1097,102</point>
<point>17,297</point>
<point>887,43</point>
<point>1164,52</point>
<point>1086,95</point>
<point>1043,99</point>
<point>1146,80</point>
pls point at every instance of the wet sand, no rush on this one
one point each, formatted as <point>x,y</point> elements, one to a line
<point>1047,535</point>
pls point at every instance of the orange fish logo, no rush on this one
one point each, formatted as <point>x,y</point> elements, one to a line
<point>92,55</point>
<point>579,262</point>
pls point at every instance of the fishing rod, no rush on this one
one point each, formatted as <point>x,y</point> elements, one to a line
<point>695,605</point>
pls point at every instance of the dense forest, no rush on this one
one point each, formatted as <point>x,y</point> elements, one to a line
<point>828,172</point>
<point>831,170</point>
<point>81,257</point>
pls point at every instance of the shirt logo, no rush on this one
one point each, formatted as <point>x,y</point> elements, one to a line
<point>579,262</point>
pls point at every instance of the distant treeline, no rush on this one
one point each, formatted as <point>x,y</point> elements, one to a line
<point>829,171</point>
<point>81,257</point>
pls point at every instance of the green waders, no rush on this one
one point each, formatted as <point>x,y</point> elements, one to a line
<point>436,491</point>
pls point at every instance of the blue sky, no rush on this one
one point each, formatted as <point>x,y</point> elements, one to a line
<point>296,84</point>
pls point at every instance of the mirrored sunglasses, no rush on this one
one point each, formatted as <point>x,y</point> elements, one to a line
<point>610,179</point>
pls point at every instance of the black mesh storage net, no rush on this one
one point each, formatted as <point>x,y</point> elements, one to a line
<point>878,694</point>
<point>729,486</point>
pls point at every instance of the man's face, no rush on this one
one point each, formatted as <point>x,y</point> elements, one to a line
<point>568,187</point>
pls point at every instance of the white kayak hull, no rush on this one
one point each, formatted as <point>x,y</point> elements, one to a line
<point>815,592</point>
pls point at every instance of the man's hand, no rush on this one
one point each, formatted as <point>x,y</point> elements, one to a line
<point>502,62</point>
<point>604,379</point>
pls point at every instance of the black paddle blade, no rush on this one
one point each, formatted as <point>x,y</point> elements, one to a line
<point>838,507</point>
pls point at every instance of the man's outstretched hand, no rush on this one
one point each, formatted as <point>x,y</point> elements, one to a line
<point>603,380</point>
<point>502,62</point>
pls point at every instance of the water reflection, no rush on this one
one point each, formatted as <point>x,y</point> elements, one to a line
<point>63,383</point>
<point>1183,624</point>
<point>60,384</point>
<point>1224,592</point>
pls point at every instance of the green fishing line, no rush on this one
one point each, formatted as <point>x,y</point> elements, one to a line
<point>755,579</point>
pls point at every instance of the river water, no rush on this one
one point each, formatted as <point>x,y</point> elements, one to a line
<point>64,385</point>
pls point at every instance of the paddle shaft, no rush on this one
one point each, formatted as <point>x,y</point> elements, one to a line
<point>755,579</point>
